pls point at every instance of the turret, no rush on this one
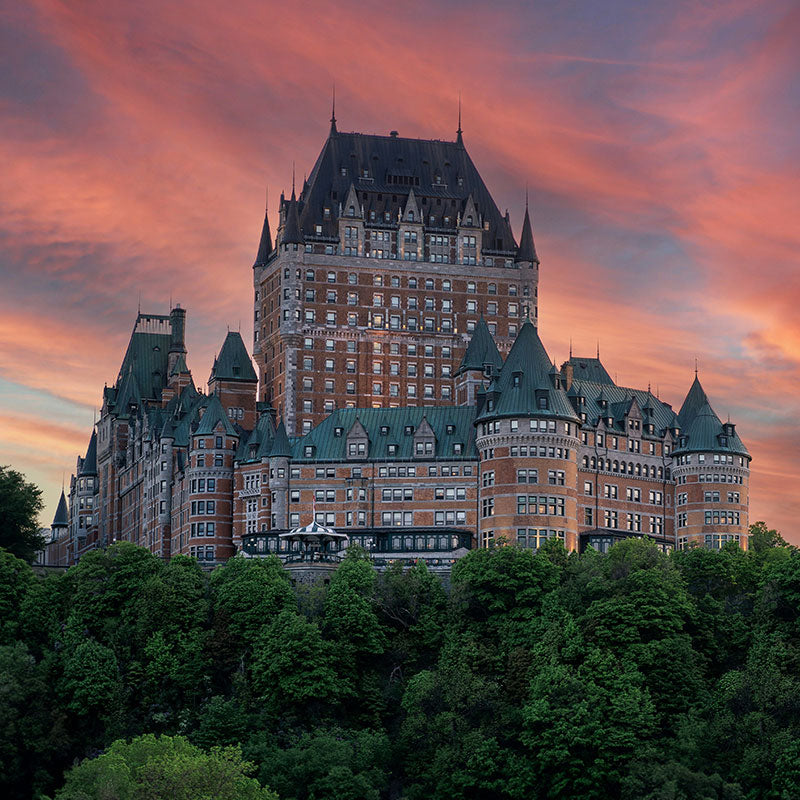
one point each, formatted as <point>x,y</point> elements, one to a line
<point>481,362</point>
<point>527,260</point>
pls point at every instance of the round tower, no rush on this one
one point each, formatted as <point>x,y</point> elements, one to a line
<point>527,439</point>
<point>712,473</point>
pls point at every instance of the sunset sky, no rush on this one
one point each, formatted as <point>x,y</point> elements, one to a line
<point>660,143</point>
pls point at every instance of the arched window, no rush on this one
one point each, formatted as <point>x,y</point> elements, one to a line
<point>410,216</point>
<point>351,212</point>
<point>586,461</point>
<point>616,466</point>
<point>469,220</point>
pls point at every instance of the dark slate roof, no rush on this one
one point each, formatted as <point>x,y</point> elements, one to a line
<point>330,447</point>
<point>481,350</point>
<point>696,398</point>
<point>530,361</point>
<point>89,463</point>
<point>214,414</point>
<point>258,444</point>
<point>281,448</point>
<point>395,165</point>
<point>61,519</point>
<point>144,368</point>
<point>705,433</point>
<point>526,250</point>
<point>233,362</point>
<point>264,244</point>
<point>292,232</point>
<point>589,369</point>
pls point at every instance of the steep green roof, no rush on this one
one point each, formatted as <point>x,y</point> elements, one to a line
<point>233,362</point>
<point>281,448</point>
<point>291,230</point>
<point>61,519</point>
<point>180,367</point>
<point>706,433</point>
<point>264,244</point>
<point>695,400</point>
<point>144,368</point>
<point>258,444</point>
<point>451,425</point>
<point>589,369</point>
<point>481,350</point>
<point>89,463</point>
<point>526,250</point>
<point>214,414</point>
<point>526,376</point>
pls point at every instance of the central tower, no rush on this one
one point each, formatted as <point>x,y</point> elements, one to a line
<point>380,272</point>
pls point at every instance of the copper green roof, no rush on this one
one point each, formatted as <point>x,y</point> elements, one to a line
<point>707,434</point>
<point>89,461</point>
<point>391,434</point>
<point>180,367</point>
<point>695,400</point>
<point>589,369</point>
<point>481,350</point>
<point>61,519</point>
<point>524,379</point>
<point>214,414</point>
<point>291,229</point>
<point>233,362</point>
<point>280,443</point>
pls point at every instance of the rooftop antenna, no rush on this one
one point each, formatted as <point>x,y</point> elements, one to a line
<point>658,394</point>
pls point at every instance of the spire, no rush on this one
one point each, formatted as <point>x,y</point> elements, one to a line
<point>481,351</point>
<point>526,250</point>
<point>89,465</point>
<point>333,112</point>
<point>291,230</point>
<point>459,139</point>
<point>696,398</point>
<point>61,519</point>
<point>265,243</point>
<point>280,444</point>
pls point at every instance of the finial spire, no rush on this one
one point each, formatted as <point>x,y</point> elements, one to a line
<point>570,347</point>
<point>459,138</point>
<point>598,349</point>
<point>333,109</point>
<point>695,366</point>
<point>292,178</point>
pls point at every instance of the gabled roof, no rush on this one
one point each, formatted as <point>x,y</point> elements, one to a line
<point>526,250</point>
<point>705,433</point>
<point>264,244</point>
<point>280,443</point>
<point>233,362</point>
<point>525,374</point>
<point>89,463</point>
<point>441,174</point>
<point>696,398</point>
<point>213,416</point>
<point>61,519</point>
<point>180,367</point>
<point>481,350</point>
<point>451,425</point>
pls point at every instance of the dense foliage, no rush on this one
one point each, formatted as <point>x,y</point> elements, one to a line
<point>627,675</point>
<point>20,504</point>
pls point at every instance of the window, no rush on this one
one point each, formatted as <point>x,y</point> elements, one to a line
<point>487,507</point>
<point>611,491</point>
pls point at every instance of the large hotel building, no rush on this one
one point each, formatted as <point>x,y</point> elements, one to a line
<point>404,400</point>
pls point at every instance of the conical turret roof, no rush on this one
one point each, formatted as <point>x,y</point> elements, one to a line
<point>525,385</point>
<point>89,465</point>
<point>264,244</point>
<point>706,433</point>
<point>695,400</point>
<point>280,444</point>
<point>291,230</point>
<point>233,362</point>
<point>526,250</point>
<point>481,350</point>
<point>61,519</point>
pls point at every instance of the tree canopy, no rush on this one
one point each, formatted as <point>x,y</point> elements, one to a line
<point>636,674</point>
<point>20,506</point>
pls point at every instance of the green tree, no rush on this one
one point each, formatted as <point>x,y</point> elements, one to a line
<point>150,767</point>
<point>291,665</point>
<point>20,506</point>
<point>16,580</point>
<point>762,538</point>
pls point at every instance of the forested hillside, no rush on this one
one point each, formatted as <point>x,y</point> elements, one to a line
<point>630,675</point>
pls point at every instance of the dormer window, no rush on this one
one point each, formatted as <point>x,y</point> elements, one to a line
<point>338,432</point>
<point>409,430</point>
<point>410,216</point>
<point>542,400</point>
<point>351,212</point>
<point>723,440</point>
<point>451,428</point>
<point>384,430</point>
<point>469,219</point>
<point>458,448</point>
<point>517,379</point>
<point>308,451</point>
